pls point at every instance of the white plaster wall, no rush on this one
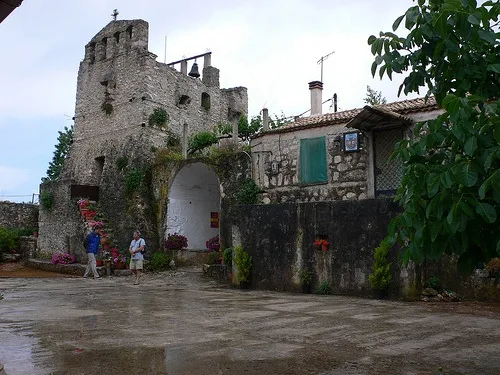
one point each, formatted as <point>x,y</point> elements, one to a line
<point>194,194</point>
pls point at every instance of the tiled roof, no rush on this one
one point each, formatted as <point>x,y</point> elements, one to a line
<point>401,107</point>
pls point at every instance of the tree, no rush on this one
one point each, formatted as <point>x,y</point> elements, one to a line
<point>65,139</point>
<point>450,190</point>
<point>374,97</point>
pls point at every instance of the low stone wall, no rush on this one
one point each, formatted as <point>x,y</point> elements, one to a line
<point>76,269</point>
<point>27,246</point>
<point>188,257</point>
<point>19,215</point>
<point>280,238</point>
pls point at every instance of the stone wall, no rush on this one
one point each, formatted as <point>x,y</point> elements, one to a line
<point>120,74</point>
<point>61,227</point>
<point>19,215</point>
<point>280,239</point>
<point>347,172</point>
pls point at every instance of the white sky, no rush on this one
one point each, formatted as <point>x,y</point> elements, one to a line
<point>271,47</point>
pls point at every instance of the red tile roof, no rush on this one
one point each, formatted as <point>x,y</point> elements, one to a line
<point>401,107</point>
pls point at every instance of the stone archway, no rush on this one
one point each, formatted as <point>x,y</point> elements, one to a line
<point>193,196</point>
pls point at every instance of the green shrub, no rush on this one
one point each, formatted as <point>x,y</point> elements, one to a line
<point>9,239</point>
<point>133,180</point>
<point>107,107</point>
<point>227,257</point>
<point>381,277</point>
<point>306,277</point>
<point>47,200</point>
<point>248,192</point>
<point>324,288</point>
<point>433,283</point>
<point>199,141</point>
<point>121,163</point>
<point>159,117</point>
<point>160,261</point>
<point>243,262</point>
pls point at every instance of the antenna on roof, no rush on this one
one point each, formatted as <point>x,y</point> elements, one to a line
<point>320,61</point>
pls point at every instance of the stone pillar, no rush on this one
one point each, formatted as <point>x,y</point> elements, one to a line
<point>184,140</point>
<point>207,60</point>
<point>184,67</point>
<point>235,133</point>
<point>265,119</point>
<point>316,88</point>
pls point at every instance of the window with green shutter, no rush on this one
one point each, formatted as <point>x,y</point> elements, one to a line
<point>313,161</point>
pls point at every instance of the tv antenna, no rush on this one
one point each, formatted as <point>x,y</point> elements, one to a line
<point>320,61</point>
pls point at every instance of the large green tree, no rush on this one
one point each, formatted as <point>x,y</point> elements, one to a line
<point>64,141</point>
<point>450,191</point>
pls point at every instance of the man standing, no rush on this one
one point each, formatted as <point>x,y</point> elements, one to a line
<point>136,259</point>
<point>91,243</point>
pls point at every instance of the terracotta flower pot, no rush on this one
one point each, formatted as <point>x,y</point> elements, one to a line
<point>119,265</point>
<point>99,262</point>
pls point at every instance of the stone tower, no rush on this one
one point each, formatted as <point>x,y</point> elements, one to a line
<point>119,85</point>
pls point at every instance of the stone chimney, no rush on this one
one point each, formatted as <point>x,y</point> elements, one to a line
<point>316,88</point>
<point>265,119</point>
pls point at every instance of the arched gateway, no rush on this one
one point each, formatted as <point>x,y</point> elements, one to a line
<point>194,205</point>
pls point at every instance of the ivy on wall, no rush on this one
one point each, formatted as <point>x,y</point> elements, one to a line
<point>47,200</point>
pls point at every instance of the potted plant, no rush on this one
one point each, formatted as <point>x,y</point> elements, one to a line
<point>381,277</point>
<point>243,262</point>
<point>493,267</point>
<point>176,242</point>
<point>322,244</point>
<point>213,244</point>
<point>306,279</point>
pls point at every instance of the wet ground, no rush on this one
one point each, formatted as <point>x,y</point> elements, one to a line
<point>180,323</point>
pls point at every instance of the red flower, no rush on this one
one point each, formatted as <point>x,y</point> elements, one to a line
<point>322,243</point>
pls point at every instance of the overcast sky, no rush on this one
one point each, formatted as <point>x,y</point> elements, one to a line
<point>271,47</point>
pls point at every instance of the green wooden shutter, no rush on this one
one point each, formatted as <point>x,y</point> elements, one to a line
<point>313,160</point>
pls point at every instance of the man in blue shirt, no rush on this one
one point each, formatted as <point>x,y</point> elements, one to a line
<point>91,243</point>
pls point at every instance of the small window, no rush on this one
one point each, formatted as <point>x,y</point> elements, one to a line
<point>184,100</point>
<point>205,101</point>
<point>313,169</point>
<point>117,37</point>
<point>129,31</point>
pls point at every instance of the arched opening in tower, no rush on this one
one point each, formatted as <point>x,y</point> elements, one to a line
<point>194,205</point>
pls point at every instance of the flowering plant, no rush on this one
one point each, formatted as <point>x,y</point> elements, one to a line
<point>176,242</point>
<point>117,257</point>
<point>322,243</point>
<point>62,258</point>
<point>99,225</point>
<point>83,203</point>
<point>120,258</point>
<point>213,244</point>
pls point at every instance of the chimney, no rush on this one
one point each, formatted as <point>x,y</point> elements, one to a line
<point>316,88</point>
<point>265,119</point>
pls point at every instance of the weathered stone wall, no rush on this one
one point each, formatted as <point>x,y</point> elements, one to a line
<point>61,227</point>
<point>347,172</point>
<point>19,215</point>
<point>119,72</point>
<point>280,238</point>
